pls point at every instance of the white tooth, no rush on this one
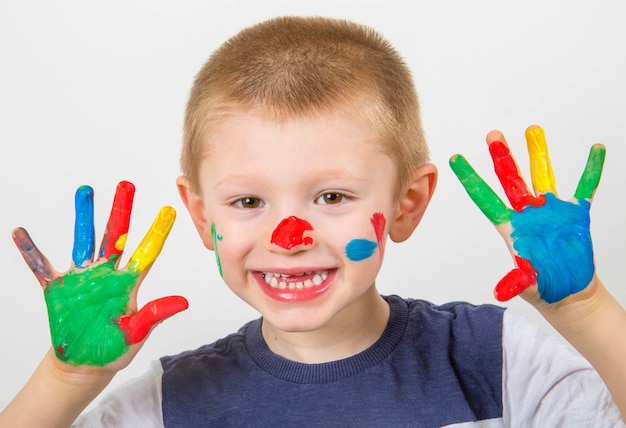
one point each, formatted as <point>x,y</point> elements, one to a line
<point>299,284</point>
<point>308,283</point>
<point>284,275</point>
<point>282,285</point>
<point>317,279</point>
<point>274,282</point>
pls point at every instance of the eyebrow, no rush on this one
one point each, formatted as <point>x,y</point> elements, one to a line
<point>332,174</point>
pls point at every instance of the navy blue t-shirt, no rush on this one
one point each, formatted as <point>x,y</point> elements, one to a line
<point>432,366</point>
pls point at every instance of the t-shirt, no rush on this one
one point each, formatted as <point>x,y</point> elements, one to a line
<point>450,365</point>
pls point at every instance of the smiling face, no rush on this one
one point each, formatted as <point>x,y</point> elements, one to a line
<point>297,213</point>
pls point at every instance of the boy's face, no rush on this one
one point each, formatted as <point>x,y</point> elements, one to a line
<point>296,213</point>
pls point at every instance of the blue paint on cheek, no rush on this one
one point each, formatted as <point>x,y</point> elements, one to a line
<point>84,232</point>
<point>360,249</point>
<point>556,240</point>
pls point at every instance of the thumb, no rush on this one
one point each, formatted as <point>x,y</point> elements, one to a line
<point>516,281</point>
<point>137,326</point>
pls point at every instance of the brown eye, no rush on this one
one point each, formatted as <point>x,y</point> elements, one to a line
<point>330,198</point>
<point>250,202</point>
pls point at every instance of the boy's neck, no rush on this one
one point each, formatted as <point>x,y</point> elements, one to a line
<point>350,332</point>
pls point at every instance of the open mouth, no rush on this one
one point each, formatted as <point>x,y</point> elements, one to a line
<point>303,280</point>
<point>297,287</point>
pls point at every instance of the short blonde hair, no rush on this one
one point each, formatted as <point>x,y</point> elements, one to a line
<point>298,66</point>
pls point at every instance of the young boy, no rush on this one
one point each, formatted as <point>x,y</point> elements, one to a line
<point>303,151</point>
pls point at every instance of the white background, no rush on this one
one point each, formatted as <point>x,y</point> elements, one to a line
<point>94,92</point>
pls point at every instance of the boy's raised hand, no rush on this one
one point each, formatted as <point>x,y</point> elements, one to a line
<point>92,308</point>
<point>548,237</point>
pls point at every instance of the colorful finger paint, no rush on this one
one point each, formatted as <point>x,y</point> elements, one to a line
<point>590,178</point>
<point>550,237</point>
<point>84,231</point>
<point>152,244</point>
<point>35,260</point>
<point>483,196</point>
<point>137,326</point>
<point>117,227</point>
<point>85,333</point>
<point>556,241</point>
<point>290,233</point>
<point>540,165</point>
<point>513,184</point>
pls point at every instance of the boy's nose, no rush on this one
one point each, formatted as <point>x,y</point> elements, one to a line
<point>290,233</point>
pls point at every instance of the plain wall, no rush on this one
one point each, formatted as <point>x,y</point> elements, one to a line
<point>94,93</point>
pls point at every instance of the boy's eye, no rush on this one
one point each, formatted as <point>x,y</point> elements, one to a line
<point>330,198</point>
<point>249,202</point>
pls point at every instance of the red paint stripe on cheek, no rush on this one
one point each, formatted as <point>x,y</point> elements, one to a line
<point>378,221</point>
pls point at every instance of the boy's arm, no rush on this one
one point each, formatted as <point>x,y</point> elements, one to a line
<point>95,326</point>
<point>550,241</point>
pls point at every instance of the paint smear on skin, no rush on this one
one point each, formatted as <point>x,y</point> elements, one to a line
<point>151,245</point>
<point>590,179</point>
<point>216,238</point>
<point>35,260</point>
<point>360,249</point>
<point>483,196</point>
<point>119,220</point>
<point>81,310</point>
<point>556,241</point>
<point>514,186</point>
<point>290,233</point>
<point>84,231</point>
<point>540,166</point>
<point>379,222</point>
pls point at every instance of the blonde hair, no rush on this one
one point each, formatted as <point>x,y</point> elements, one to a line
<point>297,66</point>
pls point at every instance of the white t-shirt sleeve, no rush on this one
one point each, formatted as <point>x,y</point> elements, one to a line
<point>136,403</point>
<point>546,383</point>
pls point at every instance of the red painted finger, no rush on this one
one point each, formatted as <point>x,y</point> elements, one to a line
<point>513,184</point>
<point>516,281</point>
<point>117,227</point>
<point>136,327</point>
<point>34,258</point>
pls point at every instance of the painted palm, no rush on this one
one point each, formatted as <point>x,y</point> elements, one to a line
<point>92,307</point>
<point>548,237</point>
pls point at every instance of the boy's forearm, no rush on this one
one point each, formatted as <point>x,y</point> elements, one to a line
<point>52,397</point>
<point>595,325</point>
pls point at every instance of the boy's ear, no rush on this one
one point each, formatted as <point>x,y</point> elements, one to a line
<point>413,202</point>
<point>195,206</point>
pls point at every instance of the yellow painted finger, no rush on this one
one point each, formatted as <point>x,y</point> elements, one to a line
<point>151,245</point>
<point>540,167</point>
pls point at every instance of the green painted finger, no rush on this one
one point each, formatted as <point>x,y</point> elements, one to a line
<point>591,175</point>
<point>483,196</point>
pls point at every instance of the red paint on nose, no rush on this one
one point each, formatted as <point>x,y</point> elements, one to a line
<point>290,233</point>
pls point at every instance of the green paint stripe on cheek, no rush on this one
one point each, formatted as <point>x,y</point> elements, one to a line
<point>217,254</point>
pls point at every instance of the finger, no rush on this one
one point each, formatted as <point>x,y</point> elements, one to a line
<point>516,281</point>
<point>35,260</point>
<point>136,327</point>
<point>83,226</point>
<point>151,245</point>
<point>482,195</point>
<point>116,230</point>
<point>540,167</point>
<point>507,171</point>
<point>591,176</point>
